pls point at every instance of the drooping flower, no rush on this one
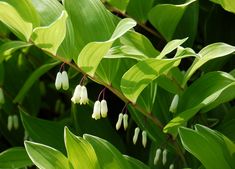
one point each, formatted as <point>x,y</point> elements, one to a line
<point>77,94</point>
<point>2,99</point>
<point>174,104</point>
<point>96,110</point>
<point>104,108</point>
<point>15,122</point>
<point>58,81</point>
<point>125,121</point>
<point>136,134</point>
<point>84,96</point>
<point>119,122</point>
<point>9,123</point>
<point>144,138</point>
<point>164,156</point>
<point>157,156</point>
<point>65,80</point>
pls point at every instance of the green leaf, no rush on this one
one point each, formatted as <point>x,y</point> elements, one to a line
<point>108,156</point>
<point>208,146</point>
<point>14,158</point>
<point>122,5</point>
<point>170,46</point>
<point>138,9</point>
<point>92,53</point>
<point>140,75</point>
<point>32,79</point>
<point>46,157</point>
<point>43,131</point>
<point>9,47</point>
<point>136,164</point>
<point>206,91</point>
<point>18,25</point>
<point>80,152</point>
<point>50,37</point>
<point>228,5</point>
<point>210,52</point>
<point>166,17</point>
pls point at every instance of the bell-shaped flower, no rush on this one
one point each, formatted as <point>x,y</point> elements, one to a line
<point>144,138</point>
<point>58,81</point>
<point>2,99</point>
<point>77,94</point>
<point>174,104</point>
<point>15,122</point>
<point>164,156</point>
<point>157,156</point>
<point>125,121</point>
<point>84,96</point>
<point>10,122</point>
<point>136,134</point>
<point>119,122</point>
<point>96,110</point>
<point>65,80</point>
<point>104,108</point>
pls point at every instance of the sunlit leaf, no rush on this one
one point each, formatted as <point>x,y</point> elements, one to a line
<point>228,5</point>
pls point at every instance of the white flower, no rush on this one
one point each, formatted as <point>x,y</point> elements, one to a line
<point>157,156</point>
<point>96,110</point>
<point>77,94</point>
<point>58,81</point>
<point>144,138</point>
<point>104,108</point>
<point>65,80</point>
<point>164,156</point>
<point>174,104</point>
<point>171,166</point>
<point>9,123</point>
<point>15,122</point>
<point>119,122</point>
<point>2,99</point>
<point>125,121</point>
<point>84,96</point>
<point>136,134</point>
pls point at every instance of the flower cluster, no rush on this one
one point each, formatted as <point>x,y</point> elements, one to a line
<point>62,80</point>
<point>100,109</point>
<point>12,122</point>
<point>122,119</point>
<point>136,135</point>
<point>164,157</point>
<point>80,95</point>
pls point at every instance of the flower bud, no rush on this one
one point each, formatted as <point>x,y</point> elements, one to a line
<point>144,138</point>
<point>96,110</point>
<point>136,134</point>
<point>58,81</point>
<point>171,166</point>
<point>84,96</point>
<point>77,94</point>
<point>65,80</point>
<point>157,156</point>
<point>104,108</point>
<point>125,121</point>
<point>9,123</point>
<point>15,122</point>
<point>119,122</point>
<point>2,99</point>
<point>164,156</point>
<point>174,104</point>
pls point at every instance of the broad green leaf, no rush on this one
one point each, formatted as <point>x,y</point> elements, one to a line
<point>32,78</point>
<point>50,37</point>
<point>18,25</point>
<point>210,89</point>
<point>43,131</point>
<point>122,5</point>
<point>228,5</point>
<point>136,164</point>
<point>92,54</point>
<point>210,52</point>
<point>140,75</point>
<point>80,152</point>
<point>14,158</point>
<point>45,157</point>
<point>138,9</point>
<point>9,47</point>
<point>206,146</point>
<point>170,46</point>
<point>166,17</point>
<point>108,156</point>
